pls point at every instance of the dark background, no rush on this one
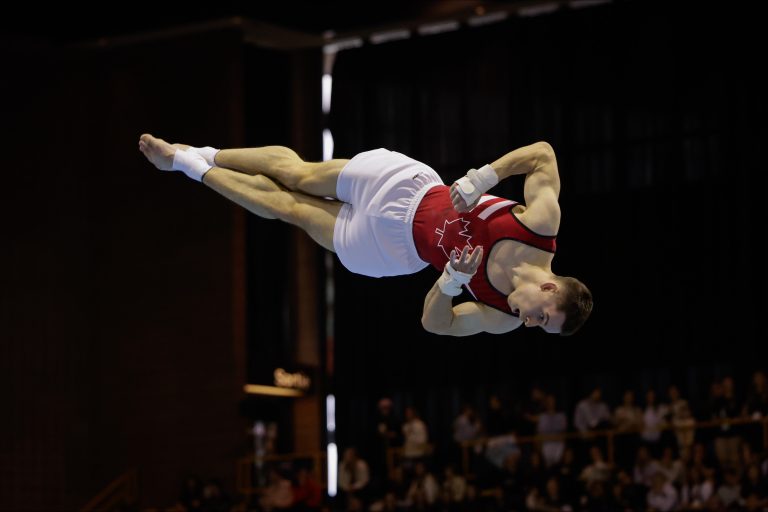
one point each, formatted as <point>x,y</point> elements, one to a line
<point>134,303</point>
<point>657,119</point>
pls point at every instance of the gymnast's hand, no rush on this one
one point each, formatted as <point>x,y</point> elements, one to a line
<point>467,262</point>
<point>467,191</point>
<point>458,202</point>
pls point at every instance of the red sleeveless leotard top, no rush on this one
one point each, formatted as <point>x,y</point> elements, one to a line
<point>438,229</point>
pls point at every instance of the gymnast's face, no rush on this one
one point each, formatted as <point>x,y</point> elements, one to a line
<point>537,306</point>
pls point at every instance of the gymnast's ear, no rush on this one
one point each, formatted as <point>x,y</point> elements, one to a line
<point>549,287</point>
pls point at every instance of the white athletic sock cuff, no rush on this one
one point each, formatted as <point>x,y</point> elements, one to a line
<point>191,164</point>
<point>206,152</point>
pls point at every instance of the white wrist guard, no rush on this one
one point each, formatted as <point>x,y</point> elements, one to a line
<point>451,281</point>
<point>476,183</point>
<point>191,164</point>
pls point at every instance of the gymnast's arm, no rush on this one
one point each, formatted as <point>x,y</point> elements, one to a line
<point>536,161</point>
<point>440,316</point>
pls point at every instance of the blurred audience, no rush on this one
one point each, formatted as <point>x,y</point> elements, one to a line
<point>724,407</point>
<point>307,492</point>
<point>656,462</point>
<point>415,436</point>
<point>679,415</point>
<point>552,421</point>
<point>423,492</point>
<point>592,413</point>
<point>662,496</point>
<point>353,474</point>
<point>653,422</point>
<point>278,495</point>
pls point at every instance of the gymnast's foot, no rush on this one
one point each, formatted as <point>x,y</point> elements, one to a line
<point>157,151</point>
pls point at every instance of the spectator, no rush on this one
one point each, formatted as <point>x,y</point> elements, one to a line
<point>702,487</point>
<point>627,494</point>
<point>724,406</point>
<point>680,417</point>
<point>628,419</point>
<point>764,467</point>
<point>653,422</point>
<point>747,456</point>
<point>307,494</point>
<point>662,496</point>
<point>192,494</point>
<point>531,411</point>
<point>466,426</point>
<point>278,495</point>
<point>754,503</point>
<point>672,469</point>
<point>598,470</point>
<point>424,489</point>
<point>388,504</point>
<point>754,488</point>
<point>353,474</point>
<point>552,500</point>
<point>756,404</point>
<point>645,467</point>
<point>397,482</point>
<point>596,498</point>
<point>415,435</point>
<point>534,474</point>
<point>592,413</point>
<point>512,485</point>
<point>552,421</point>
<point>567,474</point>
<point>756,407</point>
<point>387,435</point>
<point>386,423</point>
<point>354,503</point>
<point>729,493</point>
<point>455,486</point>
<point>472,503</point>
<point>498,448</point>
<point>215,499</point>
<point>497,422</point>
<point>700,459</point>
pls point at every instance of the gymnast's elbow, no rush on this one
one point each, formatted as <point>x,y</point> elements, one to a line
<point>545,150</point>
<point>438,327</point>
<point>430,325</point>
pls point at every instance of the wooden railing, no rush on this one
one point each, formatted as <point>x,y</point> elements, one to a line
<point>245,466</point>
<point>122,491</point>
<point>610,437</point>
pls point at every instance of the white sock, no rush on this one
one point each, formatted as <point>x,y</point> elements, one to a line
<point>206,152</point>
<point>191,164</point>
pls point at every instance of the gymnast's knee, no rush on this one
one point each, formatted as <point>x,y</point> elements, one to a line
<point>261,182</point>
<point>295,173</point>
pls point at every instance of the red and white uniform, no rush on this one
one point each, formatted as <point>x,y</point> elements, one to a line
<point>438,229</point>
<point>397,219</point>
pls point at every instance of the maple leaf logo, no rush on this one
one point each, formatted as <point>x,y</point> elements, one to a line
<point>454,236</point>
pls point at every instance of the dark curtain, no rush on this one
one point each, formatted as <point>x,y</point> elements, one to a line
<point>657,117</point>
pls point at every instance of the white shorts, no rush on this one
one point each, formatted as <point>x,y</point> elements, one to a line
<point>373,234</point>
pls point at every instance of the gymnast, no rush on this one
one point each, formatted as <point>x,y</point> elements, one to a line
<point>386,214</point>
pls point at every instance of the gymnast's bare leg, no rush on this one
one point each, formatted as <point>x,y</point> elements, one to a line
<point>261,195</point>
<point>283,165</point>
